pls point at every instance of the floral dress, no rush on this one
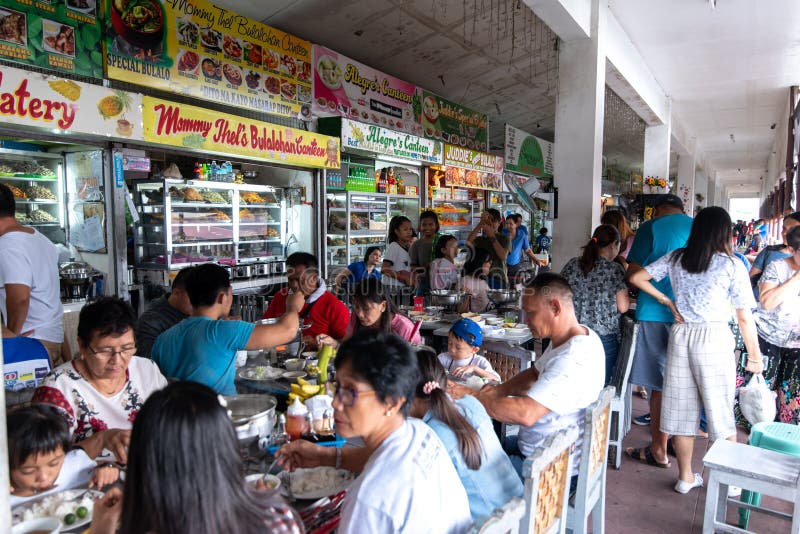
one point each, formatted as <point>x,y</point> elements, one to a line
<point>87,410</point>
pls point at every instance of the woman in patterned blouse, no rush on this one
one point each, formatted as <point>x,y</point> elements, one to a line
<point>598,283</point>
<point>101,392</point>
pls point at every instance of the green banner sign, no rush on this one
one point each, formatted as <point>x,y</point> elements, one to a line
<point>454,123</point>
<point>528,155</point>
<point>60,35</point>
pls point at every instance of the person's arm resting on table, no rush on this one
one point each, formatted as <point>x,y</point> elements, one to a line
<point>509,402</point>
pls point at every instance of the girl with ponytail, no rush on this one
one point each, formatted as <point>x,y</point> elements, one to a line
<point>600,293</point>
<point>468,435</point>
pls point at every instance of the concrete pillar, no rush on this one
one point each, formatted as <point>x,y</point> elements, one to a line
<point>579,137</point>
<point>656,149</point>
<point>686,166</point>
<point>5,500</point>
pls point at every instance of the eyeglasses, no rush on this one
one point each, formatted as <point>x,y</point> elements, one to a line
<point>347,396</point>
<point>108,352</point>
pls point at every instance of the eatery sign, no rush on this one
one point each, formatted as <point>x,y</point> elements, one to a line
<point>472,159</point>
<point>346,88</point>
<point>199,49</point>
<point>454,123</point>
<point>62,36</point>
<point>184,126</point>
<point>42,101</point>
<point>528,155</point>
<point>370,138</point>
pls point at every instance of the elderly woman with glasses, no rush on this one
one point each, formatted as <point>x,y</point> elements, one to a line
<point>407,482</point>
<point>101,392</point>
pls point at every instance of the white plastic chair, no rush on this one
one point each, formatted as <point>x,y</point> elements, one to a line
<point>504,520</point>
<point>620,404</point>
<point>547,473</point>
<point>590,495</point>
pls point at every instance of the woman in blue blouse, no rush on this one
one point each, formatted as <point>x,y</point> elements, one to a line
<point>359,270</point>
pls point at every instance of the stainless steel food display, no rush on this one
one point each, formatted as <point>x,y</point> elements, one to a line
<point>503,296</point>
<point>446,297</point>
<point>253,415</point>
<point>75,279</point>
<point>190,221</point>
<point>35,180</point>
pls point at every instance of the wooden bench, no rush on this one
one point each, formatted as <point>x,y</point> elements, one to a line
<point>736,464</point>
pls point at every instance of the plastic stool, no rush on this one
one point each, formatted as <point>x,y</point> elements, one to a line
<point>779,437</point>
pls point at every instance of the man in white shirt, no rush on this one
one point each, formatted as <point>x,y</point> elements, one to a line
<point>30,296</point>
<point>567,378</point>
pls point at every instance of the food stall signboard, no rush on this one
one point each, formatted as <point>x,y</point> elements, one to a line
<point>184,126</point>
<point>59,35</point>
<point>454,123</point>
<point>528,155</point>
<point>371,138</point>
<point>471,169</point>
<point>42,101</point>
<point>346,88</point>
<point>199,49</point>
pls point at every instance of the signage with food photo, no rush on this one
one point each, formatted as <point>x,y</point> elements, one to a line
<point>371,138</point>
<point>472,169</point>
<point>454,123</point>
<point>346,88</point>
<point>528,155</point>
<point>60,36</point>
<point>199,49</point>
<point>42,101</point>
<point>180,125</point>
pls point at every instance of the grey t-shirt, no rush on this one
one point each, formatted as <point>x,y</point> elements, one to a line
<point>779,326</point>
<point>420,253</point>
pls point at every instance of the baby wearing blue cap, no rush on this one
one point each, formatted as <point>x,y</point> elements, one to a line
<point>462,359</point>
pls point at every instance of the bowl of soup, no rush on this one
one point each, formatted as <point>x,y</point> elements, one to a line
<point>140,22</point>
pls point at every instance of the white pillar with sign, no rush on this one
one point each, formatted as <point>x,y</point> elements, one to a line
<point>686,167</point>
<point>579,138</point>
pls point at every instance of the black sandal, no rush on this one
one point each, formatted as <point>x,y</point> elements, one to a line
<point>648,459</point>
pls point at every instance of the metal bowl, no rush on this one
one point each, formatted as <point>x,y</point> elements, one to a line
<point>502,296</point>
<point>446,297</point>
<point>252,415</point>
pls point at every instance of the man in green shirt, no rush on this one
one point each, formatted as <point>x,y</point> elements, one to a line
<point>495,243</point>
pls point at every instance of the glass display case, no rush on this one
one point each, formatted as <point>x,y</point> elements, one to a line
<point>35,180</point>
<point>184,222</point>
<point>457,217</point>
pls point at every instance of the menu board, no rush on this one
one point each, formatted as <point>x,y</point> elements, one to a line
<point>527,154</point>
<point>199,49</point>
<point>41,101</point>
<point>379,140</point>
<point>454,123</point>
<point>346,88</point>
<point>62,35</point>
<point>184,126</point>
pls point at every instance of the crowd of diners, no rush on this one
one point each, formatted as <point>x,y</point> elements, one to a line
<point>143,394</point>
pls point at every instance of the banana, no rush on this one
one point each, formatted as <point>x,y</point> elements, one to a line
<point>310,390</point>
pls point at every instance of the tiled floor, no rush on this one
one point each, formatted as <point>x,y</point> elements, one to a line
<point>640,498</point>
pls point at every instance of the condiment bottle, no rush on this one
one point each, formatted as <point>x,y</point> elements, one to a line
<point>296,422</point>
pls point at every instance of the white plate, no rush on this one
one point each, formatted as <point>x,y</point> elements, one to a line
<point>66,496</point>
<point>260,372</point>
<point>292,375</point>
<point>343,479</point>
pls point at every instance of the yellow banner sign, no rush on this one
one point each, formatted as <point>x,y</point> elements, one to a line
<point>196,48</point>
<point>180,125</point>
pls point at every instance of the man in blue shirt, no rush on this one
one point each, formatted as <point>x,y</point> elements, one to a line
<point>518,235</point>
<point>668,230</point>
<point>202,348</point>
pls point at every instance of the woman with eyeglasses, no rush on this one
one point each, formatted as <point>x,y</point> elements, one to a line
<point>101,392</point>
<point>407,482</point>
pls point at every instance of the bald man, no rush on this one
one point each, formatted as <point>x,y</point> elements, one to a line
<point>566,379</point>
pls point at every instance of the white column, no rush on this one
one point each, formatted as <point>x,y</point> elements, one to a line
<point>686,166</point>
<point>5,500</point>
<point>578,148</point>
<point>656,149</point>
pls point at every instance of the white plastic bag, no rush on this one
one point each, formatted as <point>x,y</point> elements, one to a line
<point>756,401</point>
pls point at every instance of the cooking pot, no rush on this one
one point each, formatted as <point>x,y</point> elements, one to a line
<point>253,415</point>
<point>242,271</point>
<point>446,297</point>
<point>75,281</point>
<point>503,296</point>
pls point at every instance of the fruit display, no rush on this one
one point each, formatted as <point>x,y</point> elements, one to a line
<point>305,390</point>
<point>37,191</point>
<point>17,192</point>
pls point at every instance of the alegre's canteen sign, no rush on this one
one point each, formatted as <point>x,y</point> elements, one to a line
<point>370,138</point>
<point>170,123</point>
